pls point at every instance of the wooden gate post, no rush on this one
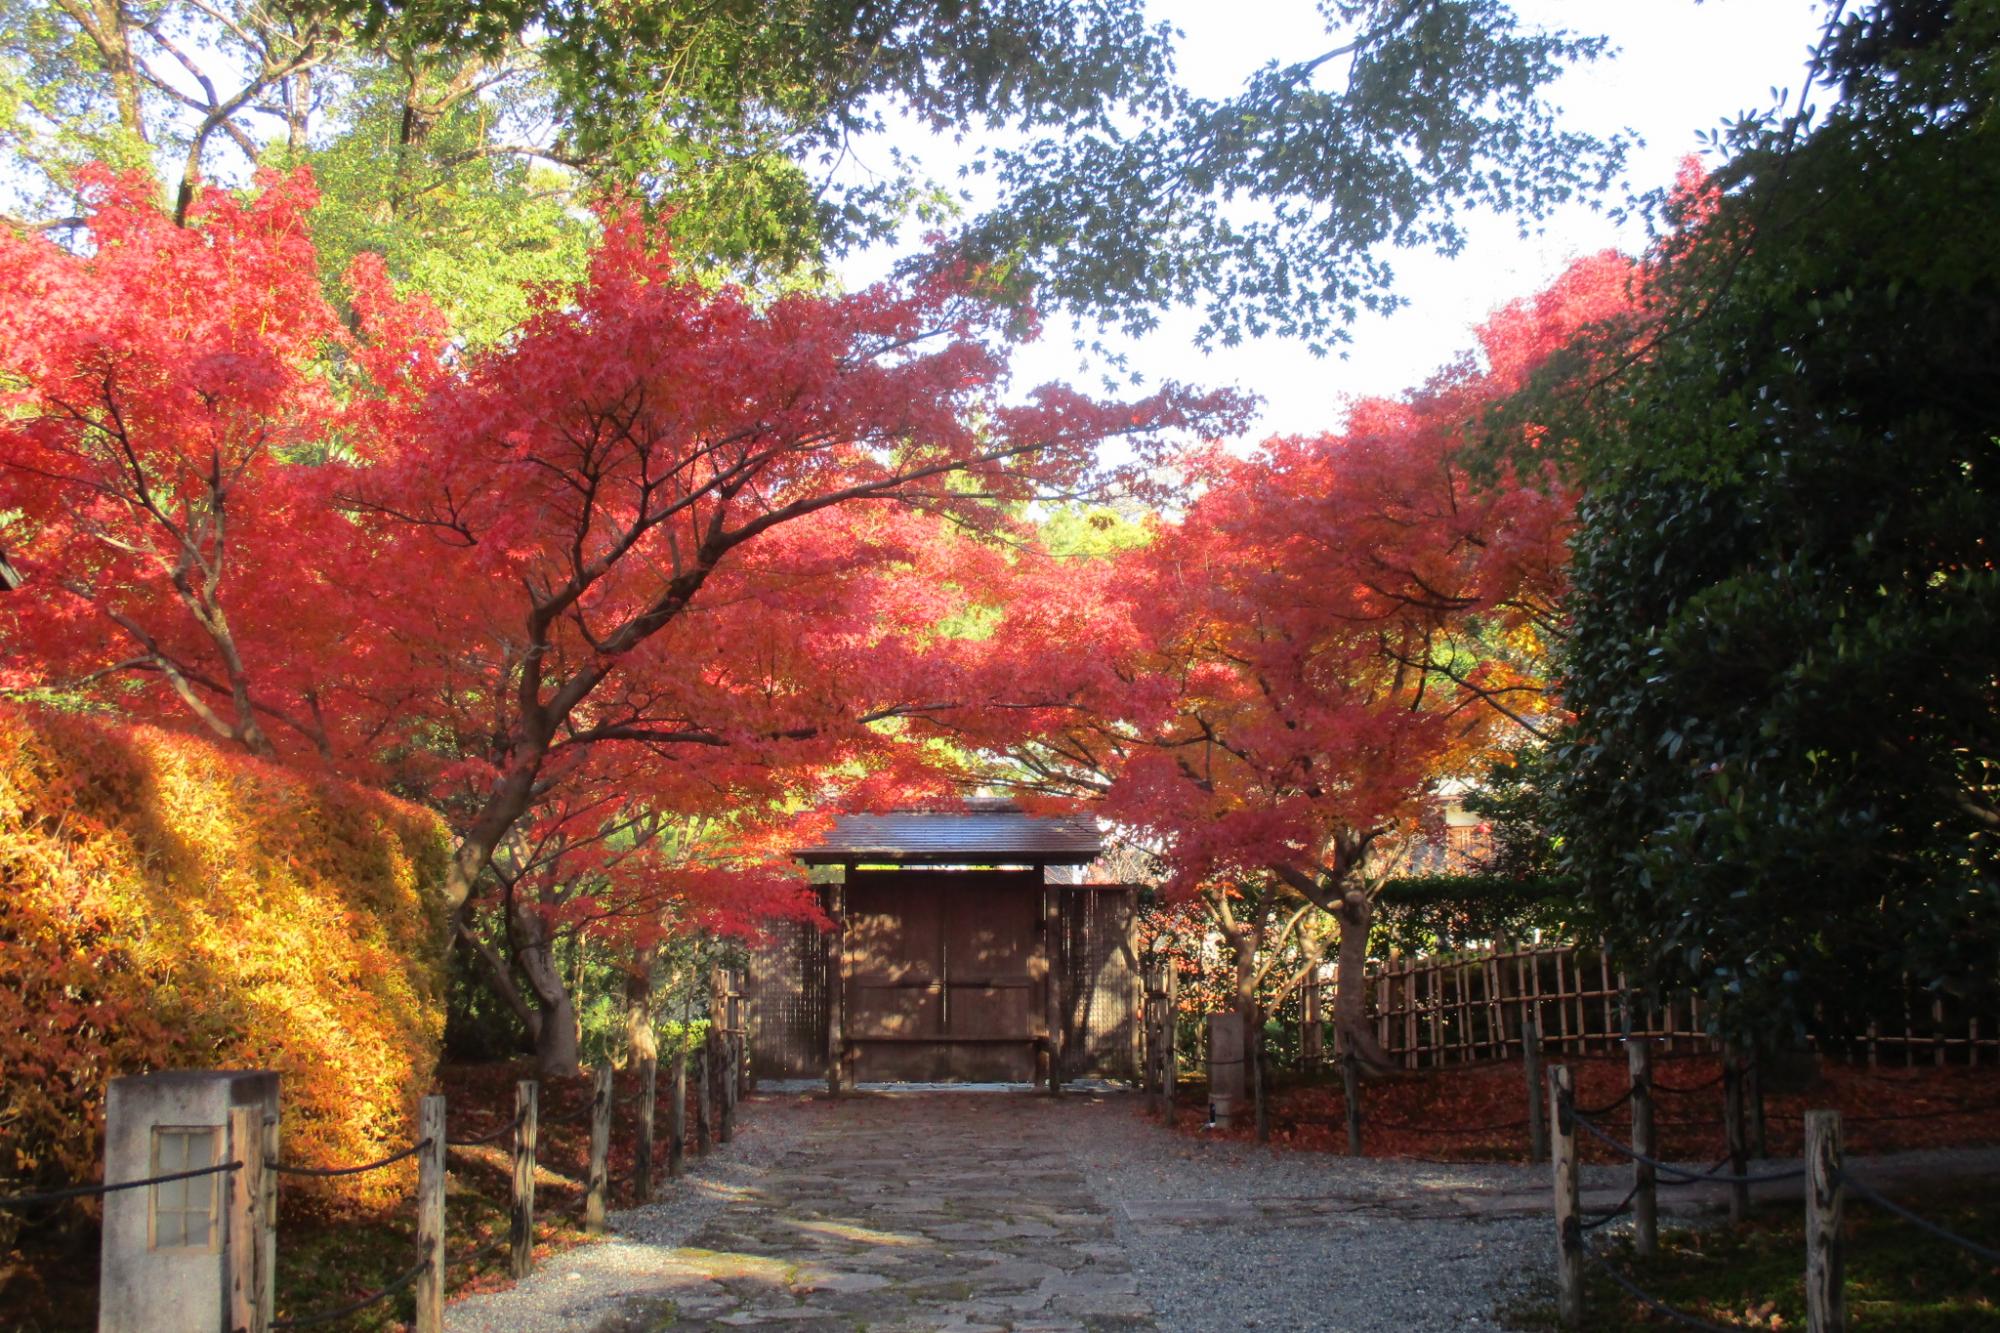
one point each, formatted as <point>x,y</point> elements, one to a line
<point>725,1054</point>
<point>1350,1088</point>
<point>1257,1092</point>
<point>1733,1128</point>
<point>1645,1197</point>
<point>1531,1053</point>
<point>1312,1038</point>
<point>521,1225</point>
<point>1826,1300</point>
<point>249,1219</point>
<point>1171,1024</point>
<point>1052,937</point>
<point>677,1110</point>
<point>1569,1222</point>
<point>430,1217</point>
<point>836,985</point>
<point>598,1182</point>
<point>649,1078</point>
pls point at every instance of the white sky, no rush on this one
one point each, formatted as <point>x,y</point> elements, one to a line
<point>1679,68</point>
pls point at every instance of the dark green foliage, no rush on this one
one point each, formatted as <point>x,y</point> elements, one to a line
<point>1781,786</point>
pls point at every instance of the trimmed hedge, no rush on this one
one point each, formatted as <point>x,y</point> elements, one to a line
<point>166,904</point>
<point>1422,914</point>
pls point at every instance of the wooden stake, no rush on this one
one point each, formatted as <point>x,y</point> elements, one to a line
<point>1826,1299</point>
<point>1531,1053</point>
<point>598,1182</point>
<point>430,1217</point>
<point>1646,1202</point>
<point>1732,1122</point>
<point>1171,1021</point>
<point>725,1120</point>
<point>677,1110</point>
<point>702,1066</point>
<point>521,1227</point>
<point>649,1077</point>
<point>1350,1086</point>
<point>1569,1223</point>
<point>1262,1102</point>
<point>836,984</point>
<point>247,1219</point>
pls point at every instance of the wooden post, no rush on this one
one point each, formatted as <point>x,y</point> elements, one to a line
<point>702,1067</point>
<point>1312,1038</point>
<point>598,1182</point>
<point>1531,1054</point>
<point>836,983</point>
<point>430,1218</point>
<point>1645,1201</point>
<point>649,1077</point>
<point>1171,1069</point>
<point>270,1259</point>
<point>521,1227</point>
<point>677,1110</point>
<point>1569,1222</point>
<point>248,1220</point>
<point>1732,1123</point>
<point>727,1087</point>
<point>1826,1301</point>
<point>1052,937</point>
<point>1759,1141</point>
<point>1258,1097</point>
<point>1350,1087</point>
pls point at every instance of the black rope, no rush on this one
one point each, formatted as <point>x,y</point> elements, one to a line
<point>1714,1166</point>
<point>87,1191</point>
<point>355,1307</point>
<point>326,1172</point>
<point>1622,1207</point>
<point>1682,1173</point>
<point>1447,1129</point>
<point>1971,1247</point>
<point>1652,1302</point>
<point>1608,1107</point>
<point>1686,1092</point>
<point>519,1118</point>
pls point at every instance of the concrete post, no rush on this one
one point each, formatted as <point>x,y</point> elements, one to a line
<point>171,1261</point>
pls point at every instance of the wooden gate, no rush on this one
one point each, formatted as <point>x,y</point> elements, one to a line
<point>946,975</point>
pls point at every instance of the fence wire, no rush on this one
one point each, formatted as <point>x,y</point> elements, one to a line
<point>1987,1253</point>
<point>1686,1176</point>
<point>1653,1302</point>
<point>395,1285</point>
<point>328,1172</point>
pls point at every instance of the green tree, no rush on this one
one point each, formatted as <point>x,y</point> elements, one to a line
<point>1781,784</point>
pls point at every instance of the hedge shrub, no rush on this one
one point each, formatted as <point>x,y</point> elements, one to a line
<point>167,904</point>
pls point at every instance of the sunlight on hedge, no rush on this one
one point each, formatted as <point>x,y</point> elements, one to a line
<point>166,904</point>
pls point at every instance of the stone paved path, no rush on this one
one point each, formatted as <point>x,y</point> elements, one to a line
<point>897,1214</point>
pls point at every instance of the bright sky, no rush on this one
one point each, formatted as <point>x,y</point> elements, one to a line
<point>1679,68</point>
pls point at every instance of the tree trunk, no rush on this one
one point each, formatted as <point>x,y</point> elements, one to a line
<point>1350,997</point>
<point>640,1042</point>
<point>556,1043</point>
<point>500,979</point>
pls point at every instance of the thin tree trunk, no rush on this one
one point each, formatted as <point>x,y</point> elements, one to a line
<point>500,979</point>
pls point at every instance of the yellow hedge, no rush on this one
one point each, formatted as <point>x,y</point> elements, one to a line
<point>168,904</point>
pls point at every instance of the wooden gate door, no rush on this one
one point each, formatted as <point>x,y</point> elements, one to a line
<point>946,975</point>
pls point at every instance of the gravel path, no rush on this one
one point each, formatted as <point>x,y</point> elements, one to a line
<point>913,1211</point>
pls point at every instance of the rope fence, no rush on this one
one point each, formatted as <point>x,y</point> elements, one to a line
<point>92,1191</point>
<point>354,1307</point>
<point>333,1172</point>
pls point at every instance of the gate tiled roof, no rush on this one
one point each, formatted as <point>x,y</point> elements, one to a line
<point>983,832</point>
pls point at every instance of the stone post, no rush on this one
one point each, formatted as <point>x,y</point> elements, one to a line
<point>1227,1067</point>
<point>172,1263</point>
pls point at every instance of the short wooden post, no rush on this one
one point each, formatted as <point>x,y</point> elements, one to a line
<point>649,1078</point>
<point>1052,931</point>
<point>1531,1054</point>
<point>1170,1023</point>
<point>677,1109</point>
<point>1569,1222</point>
<point>1257,1092</point>
<point>1350,1088</point>
<point>521,1227</point>
<point>836,987</point>
<point>702,1066</point>
<point>1759,1140</point>
<point>247,1221</point>
<point>1645,1199</point>
<point>1733,1128</point>
<point>1826,1301</point>
<point>598,1182</point>
<point>430,1217</point>
<point>731,1066</point>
